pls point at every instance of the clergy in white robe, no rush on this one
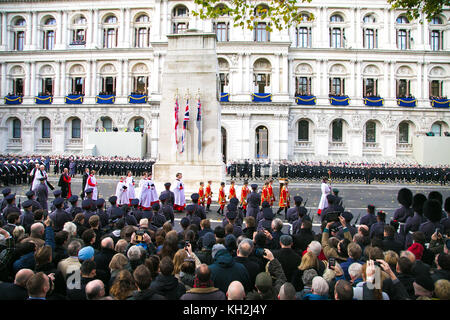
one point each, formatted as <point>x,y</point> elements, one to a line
<point>130,184</point>
<point>39,173</point>
<point>178,190</point>
<point>326,190</point>
<point>92,183</point>
<point>122,192</point>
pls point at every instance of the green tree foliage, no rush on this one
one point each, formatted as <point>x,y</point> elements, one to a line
<point>284,13</point>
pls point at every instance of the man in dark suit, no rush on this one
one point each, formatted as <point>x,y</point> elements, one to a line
<point>288,258</point>
<point>85,177</point>
<point>253,201</point>
<point>170,195</point>
<point>18,289</point>
<point>42,194</point>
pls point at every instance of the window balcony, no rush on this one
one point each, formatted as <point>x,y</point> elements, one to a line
<point>76,141</point>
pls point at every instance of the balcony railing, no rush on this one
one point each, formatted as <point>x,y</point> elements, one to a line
<point>45,141</point>
<point>75,141</point>
<point>15,141</point>
<point>337,145</point>
<point>371,145</point>
<point>303,144</point>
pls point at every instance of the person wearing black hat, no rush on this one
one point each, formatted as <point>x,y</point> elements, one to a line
<point>405,198</point>
<point>5,193</point>
<point>370,217</point>
<point>266,222</point>
<point>297,212</point>
<point>58,194</point>
<point>27,216</point>
<point>42,194</point>
<point>170,195</point>
<point>190,214</point>
<point>104,218</point>
<point>59,216</point>
<point>446,221</point>
<point>167,208</point>
<point>112,200</point>
<point>199,210</point>
<point>432,210</point>
<point>74,209</point>
<point>135,210</point>
<point>32,197</point>
<point>253,202</point>
<point>377,229</point>
<point>230,218</point>
<point>413,223</point>
<point>338,199</point>
<point>159,217</point>
<point>10,206</point>
<point>288,258</point>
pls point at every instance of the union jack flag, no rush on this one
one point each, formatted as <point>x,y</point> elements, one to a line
<point>185,123</point>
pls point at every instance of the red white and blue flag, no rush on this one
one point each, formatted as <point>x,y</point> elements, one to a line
<point>199,125</point>
<point>185,123</point>
<point>177,108</point>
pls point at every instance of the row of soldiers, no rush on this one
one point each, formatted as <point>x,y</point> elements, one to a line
<point>305,171</point>
<point>102,166</point>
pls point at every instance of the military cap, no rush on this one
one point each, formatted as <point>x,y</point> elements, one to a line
<point>268,213</point>
<point>156,206</point>
<point>254,186</point>
<point>112,199</point>
<point>167,184</point>
<point>30,193</point>
<point>6,191</point>
<point>27,204</point>
<point>348,216</point>
<point>89,190</point>
<point>135,202</point>
<point>195,196</point>
<point>100,202</point>
<point>10,196</point>
<point>184,222</point>
<point>190,208</point>
<point>86,204</point>
<point>73,198</point>
<point>58,201</point>
<point>234,201</point>
<point>57,193</point>
<point>298,199</point>
<point>432,210</point>
<point>163,197</point>
<point>231,214</point>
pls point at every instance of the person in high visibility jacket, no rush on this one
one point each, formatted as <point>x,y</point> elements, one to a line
<point>284,198</point>
<point>232,191</point>
<point>222,198</point>
<point>208,195</point>
<point>245,191</point>
<point>271,194</point>
<point>201,194</point>
<point>265,193</point>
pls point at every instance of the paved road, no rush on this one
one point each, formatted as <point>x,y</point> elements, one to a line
<point>356,196</point>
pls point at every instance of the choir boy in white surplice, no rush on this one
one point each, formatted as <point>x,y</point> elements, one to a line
<point>92,183</point>
<point>130,185</point>
<point>122,192</point>
<point>178,190</point>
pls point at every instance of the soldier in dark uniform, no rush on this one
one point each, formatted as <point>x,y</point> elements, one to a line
<point>32,197</point>
<point>253,201</point>
<point>190,214</point>
<point>413,223</point>
<point>27,217</point>
<point>266,222</point>
<point>296,212</point>
<point>170,195</point>
<point>377,229</point>
<point>199,210</point>
<point>166,208</point>
<point>5,193</point>
<point>59,216</point>
<point>10,206</point>
<point>369,219</point>
<point>104,218</point>
<point>405,198</point>
<point>135,211</point>
<point>230,218</point>
<point>446,221</point>
<point>42,194</point>
<point>159,217</point>
<point>432,210</point>
<point>88,207</point>
<point>74,209</point>
<point>339,200</point>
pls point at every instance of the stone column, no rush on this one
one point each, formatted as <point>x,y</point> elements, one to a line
<point>4,43</point>
<point>386,43</point>
<point>240,73</point>
<point>353,79</point>
<point>392,81</point>
<point>324,87</point>
<point>358,80</point>
<point>64,30</point>
<point>88,79</point>
<point>248,76</point>
<point>283,137</point>
<point>27,138</point>
<point>426,36</point>
<point>155,74</point>
<point>276,75</point>
<point>291,81</point>
<point>385,93</point>
<point>126,83</point>
<point>35,32</point>
<point>29,35</point>
<point>59,31</point>
<point>119,86</point>
<point>94,84</point>
<point>392,39</point>
<point>153,136</point>
<point>425,86</point>
<point>58,79</point>
<point>90,29</point>
<point>33,79</point>
<point>419,87</point>
<point>156,27</point>
<point>358,30</point>
<point>63,78</point>
<point>127,31</point>
<point>95,30</point>
<point>166,20</point>
<point>27,79</point>
<point>321,142</point>
<point>286,78</point>
<point>245,131</point>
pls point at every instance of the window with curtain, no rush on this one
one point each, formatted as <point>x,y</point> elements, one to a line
<point>76,129</point>
<point>17,129</point>
<point>403,132</point>
<point>261,34</point>
<point>336,131</point>
<point>303,37</point>
<point>45,134</point>
<point>303,130</point>
<point>436,128</point>
<point>371,131</point>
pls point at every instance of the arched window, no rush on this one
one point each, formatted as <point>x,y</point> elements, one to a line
<point>370,18</point>
<point>20,22</point>
<point>143,18</point>
<point>262,142</point>
<point>111,19</point>
<point>45,133</point>
<point>336,18</point>
<point>79,30</point>
<point>180,11</point>
<point>142,31</point>
<point>18,33</point>
<point>139,124</point>
<point>336,131</point>
<point>436,128</point>
<point>371,133</point>
<point>16,129</point>
<point>402,20</point>
<point>403,132</point>
<point>303,130</point>
<point>76,128</point>
<point>106,123</point>
<point>50,22</point>
<point>110,32</point>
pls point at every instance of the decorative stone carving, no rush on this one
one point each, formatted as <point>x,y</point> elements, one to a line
<point>234,60</point>
<point>17,71</point>
<point>404,70</point>
<point>108,69</point>
<point>437,71</point>
<point>371,70</point>
<point>140,68</point>
<point>356,120</point>
<point>77,69</point>
<point>338,69</point>
<point>303,68</point>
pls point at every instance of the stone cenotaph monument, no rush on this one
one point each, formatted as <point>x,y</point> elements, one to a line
<point>190,73</point>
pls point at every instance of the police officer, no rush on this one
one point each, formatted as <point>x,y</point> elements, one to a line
<point>74,209</point>
<point>59,216</point>
<point>253,201</point>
